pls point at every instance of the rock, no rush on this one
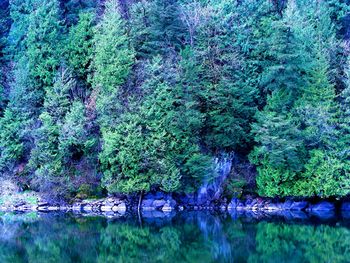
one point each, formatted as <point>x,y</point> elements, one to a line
<point>323,214</point>
<point>240,206</point>
<point>273,207</point>
<point>65,208</point>
<point>287,205</point>
<point>322,206</point>
<point>53,208</point>
<point>154,214</point>
<point>345,206</point>
<point>87,208</point>
<point>147,204</point>
<point>43,203</point>
<point>26,207</point>
<point>298,205</point>
<point>248,204</point>
<point>345,214</point>
<point>167,208</point>
<point>158,203</point>
<point>172,202</point>
<point>119,208</point>
<point>294,215</point>
<point>106,208</point>
<point>76,207</point>
<point>42,208</point>
<point>20,203</point>
<point>233,204</point>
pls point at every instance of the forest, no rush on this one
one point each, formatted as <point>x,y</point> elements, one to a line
<point>129,96</point>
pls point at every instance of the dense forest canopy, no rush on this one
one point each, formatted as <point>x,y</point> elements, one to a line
<point>137,95</point>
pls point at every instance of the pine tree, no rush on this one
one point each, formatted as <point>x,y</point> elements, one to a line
<point>79,45</point>
<point>156,28</point>
<point>19,117</point>
<point>345,116</point>
<point>5,23</point>
<point>113,57</point>
<point>43,43</point>
<point>46,158</point>
<point>172,125</point>
<point>72,9</point>
<point>112,64</point>
<point>20,15</point>
<point>227,99</point>
<point>279,152</point>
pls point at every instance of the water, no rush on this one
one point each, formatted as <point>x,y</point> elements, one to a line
<point>186,237</point>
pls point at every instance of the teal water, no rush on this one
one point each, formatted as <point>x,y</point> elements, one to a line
<point>186,237</point>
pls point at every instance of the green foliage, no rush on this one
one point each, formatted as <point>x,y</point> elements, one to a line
<point>143,96</point>
<point>157,28</point>
<point>10,144</point>
<point>72,9</point>
<point>151,146</point>
<point>234,187</point>
<point>79,45</point>
<point>19,14</point>
<point>44,33</point>
<point>46,160</point>
<point>297,243</point>
<point>297,130</point>
<point>17,119</point>
<point>226,99</point>
<point>113,57</point>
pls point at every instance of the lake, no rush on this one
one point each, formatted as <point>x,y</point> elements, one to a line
<point>182,237</point>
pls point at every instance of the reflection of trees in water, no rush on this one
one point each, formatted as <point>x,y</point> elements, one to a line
<point>190,237</point>
<point>276,242</point>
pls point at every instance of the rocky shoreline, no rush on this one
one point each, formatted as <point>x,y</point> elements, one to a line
<point>166,203</point>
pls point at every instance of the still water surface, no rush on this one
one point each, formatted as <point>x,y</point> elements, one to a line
<point>186,237</point>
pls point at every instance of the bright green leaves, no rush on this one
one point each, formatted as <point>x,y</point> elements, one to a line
<point>79,45</point>
<point>11,147</point>
<point>113,57</point>
<point>43,38</point>
<point>153,91</point>
<point>123,158</point>
<point>297,132</point>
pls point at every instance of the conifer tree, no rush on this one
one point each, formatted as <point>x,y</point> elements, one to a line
<point>79,45</point>
<point>157,28</point>
<point>19,117</point>
<point>20,15</point>
<point>279,150</point>
<point>46,157</point>
<point>44,33</point>
<point>227,99</point>
<point>112,63</point>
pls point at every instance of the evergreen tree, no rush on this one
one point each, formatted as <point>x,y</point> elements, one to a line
<point>112,63</point>
<point>19,118</point>
<point>46,158</point>
<point>72,9</point>
<point>43,39</point>
<point>227,99</point>
<point>5,23</point>
<point>79,45</point>
<point>345,116</point>
<point>157,28</point>
<point>20,15</point>
<point>279,151</point>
